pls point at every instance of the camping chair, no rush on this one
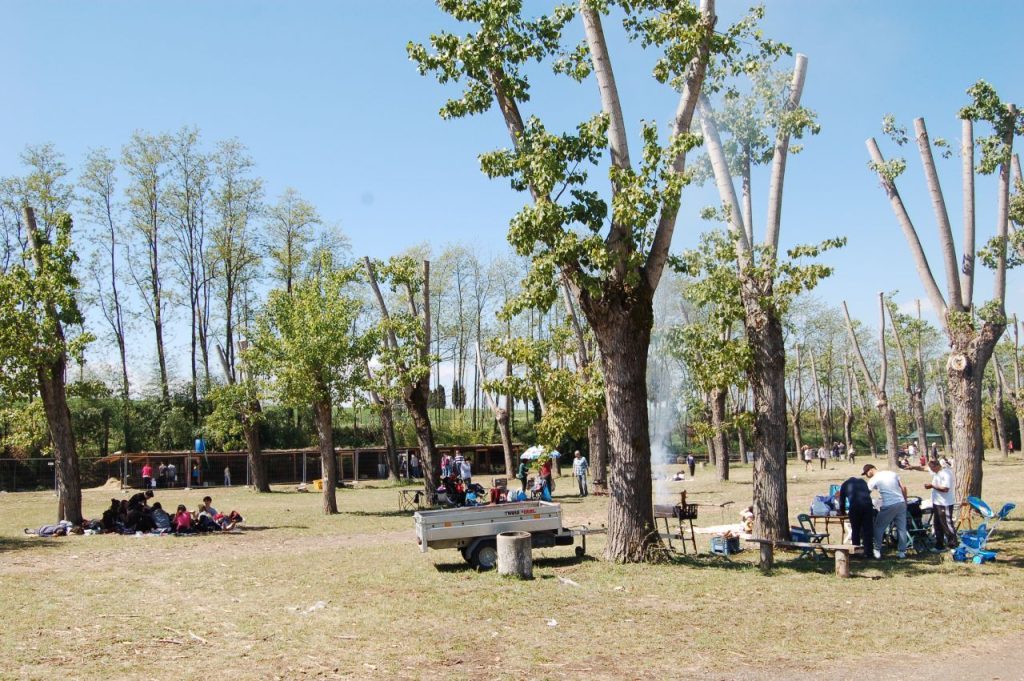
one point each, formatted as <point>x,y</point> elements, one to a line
<point>806,533</point>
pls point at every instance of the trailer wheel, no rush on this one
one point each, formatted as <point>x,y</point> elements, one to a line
<point>485,555</point>
<point>580,552</point>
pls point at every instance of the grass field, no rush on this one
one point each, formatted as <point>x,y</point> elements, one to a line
<point>299,595</point>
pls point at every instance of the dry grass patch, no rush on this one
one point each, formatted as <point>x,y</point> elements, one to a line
<point>300,595</point>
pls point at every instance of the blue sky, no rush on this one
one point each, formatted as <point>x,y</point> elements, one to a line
<point>328,102</point>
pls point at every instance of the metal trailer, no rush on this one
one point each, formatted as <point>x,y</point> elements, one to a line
<point>474,529</point>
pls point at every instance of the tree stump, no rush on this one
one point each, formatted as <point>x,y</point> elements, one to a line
<point>842,563</point>
<point>767,556</point>
<point>515,554</point>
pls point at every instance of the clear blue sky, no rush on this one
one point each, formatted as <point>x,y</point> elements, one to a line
<point>327,101</point>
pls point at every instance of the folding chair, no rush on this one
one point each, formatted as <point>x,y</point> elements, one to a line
<point>807,529</point>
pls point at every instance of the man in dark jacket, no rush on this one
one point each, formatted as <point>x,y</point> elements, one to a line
<point>856,493</point>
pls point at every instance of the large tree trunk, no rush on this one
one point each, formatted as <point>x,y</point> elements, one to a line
<point>721,442</point>
<point>254,447</point>
<point>328,460</point>
<point>65,456</point>
<point>416,402</point>
<point>597,436</point>
<point>965,371</point>
<point>623,330</point>
<point>768,385</point>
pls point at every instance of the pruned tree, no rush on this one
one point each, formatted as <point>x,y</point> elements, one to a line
<point>38,308</point>
<point>878,383</point>
<point>915,394</point>
<point>404,348</point>
<point>972,331</point>
<point>612,276</point>
<point>848,403</point>
<point>767,285</point>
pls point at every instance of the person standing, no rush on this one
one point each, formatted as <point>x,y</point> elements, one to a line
<point>856,493</point>
<point>822,457</point>
<point>580,466</point>
<point>195,475</point>
<point>446,465</point>
<point>415,466</point>
<point>227,476</point>
<point>466,471</point>
<point>894,507</point>
<point>912,452</point>
<point>851,453</point>
<point>942,486</point>
<point>545,477</point>
<point>523,473</point>
<point>172,474</point>
<point>691,463</point>
<point>147,475</point>
<point>161,475</point>
<point>807,454</point>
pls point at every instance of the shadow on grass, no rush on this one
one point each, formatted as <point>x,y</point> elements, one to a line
<point>543,562</point>
<point>13,544</point>
<point>261,528</point>
<point>382,514</point>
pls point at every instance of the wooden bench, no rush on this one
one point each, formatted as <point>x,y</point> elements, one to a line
<point>842,552</point>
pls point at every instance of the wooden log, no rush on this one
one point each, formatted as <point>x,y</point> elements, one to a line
<point>515,554</point>
<point>842,563</point>
<point>767,556</point>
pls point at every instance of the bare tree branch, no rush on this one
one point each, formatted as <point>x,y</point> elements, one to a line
<point>917,251</point>
<point>782,135</point>
<point>953,291</point>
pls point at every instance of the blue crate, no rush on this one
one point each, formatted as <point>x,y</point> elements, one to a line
<point>725,547</point>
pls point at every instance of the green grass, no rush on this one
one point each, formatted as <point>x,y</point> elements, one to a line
<point>241,606</point>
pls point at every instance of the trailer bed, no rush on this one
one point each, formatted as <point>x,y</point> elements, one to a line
<point>458,527</point>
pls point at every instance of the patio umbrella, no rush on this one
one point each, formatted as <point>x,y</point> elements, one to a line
<point>535,452</point>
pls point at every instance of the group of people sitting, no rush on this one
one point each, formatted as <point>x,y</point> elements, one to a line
<point>135,516</point>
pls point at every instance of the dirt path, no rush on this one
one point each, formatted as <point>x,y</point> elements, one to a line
<point>991,660</point>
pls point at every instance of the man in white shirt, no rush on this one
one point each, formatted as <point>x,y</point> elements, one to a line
<point>894,507</point>
<point>942,486</point>
<point>466,471</point>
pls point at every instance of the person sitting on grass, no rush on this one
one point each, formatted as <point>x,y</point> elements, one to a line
<point>110,516</point>
<point>161,521</point>
<point>183,521</point>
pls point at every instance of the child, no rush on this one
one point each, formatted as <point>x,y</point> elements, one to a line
<point>182,520</point>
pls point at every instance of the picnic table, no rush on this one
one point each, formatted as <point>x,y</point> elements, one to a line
<point>828,519</point>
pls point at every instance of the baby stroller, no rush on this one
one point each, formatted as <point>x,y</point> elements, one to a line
<point>919,528</point>
<point>974,543</point>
